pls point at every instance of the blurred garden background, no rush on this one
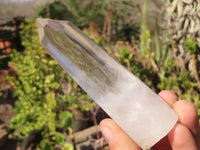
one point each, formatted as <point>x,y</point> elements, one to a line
<point>41,107</point>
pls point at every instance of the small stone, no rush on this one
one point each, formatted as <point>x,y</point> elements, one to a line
<point>3,135</point>
<point>188,1</point>
<point>6,113</point>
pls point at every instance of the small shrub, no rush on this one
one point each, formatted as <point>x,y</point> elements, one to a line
<point>190,45</point>
<point>41,103</point>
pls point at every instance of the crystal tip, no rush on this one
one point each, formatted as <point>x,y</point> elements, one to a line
<point>41,24</point>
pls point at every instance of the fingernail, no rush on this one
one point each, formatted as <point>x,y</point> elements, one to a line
<point>107,134</point>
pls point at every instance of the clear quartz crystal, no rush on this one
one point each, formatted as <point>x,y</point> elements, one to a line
<point>133,105</point>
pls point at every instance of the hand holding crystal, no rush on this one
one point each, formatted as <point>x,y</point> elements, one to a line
<point>184,136</point>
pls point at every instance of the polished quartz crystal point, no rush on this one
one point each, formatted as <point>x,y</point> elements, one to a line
<point>133,105</point>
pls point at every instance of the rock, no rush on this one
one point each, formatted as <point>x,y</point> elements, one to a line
<point>87,139</point>
<point>182,23</point>
<point>81,120</point>
<point>33,139</point>
<point>6,113</point>
<point>3,134</point>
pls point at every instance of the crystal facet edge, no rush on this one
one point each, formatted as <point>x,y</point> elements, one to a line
<point>41,24</point>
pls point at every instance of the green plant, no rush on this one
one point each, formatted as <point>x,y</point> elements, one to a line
<point>54,10</point>
<point>41,104</point>
<point>190,45</point>
<point>35,83</point>
<point>170,72</point>
<point>145,35</point>
<point>125,57</point>
<point>128,32</point>
<point>82,13</point>
<point>158,53</point>
<point>65,120</point>
<point>44,145</point>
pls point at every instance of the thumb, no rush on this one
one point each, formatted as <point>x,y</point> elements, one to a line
<point>116,137</point>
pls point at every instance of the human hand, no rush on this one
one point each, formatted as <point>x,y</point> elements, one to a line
<point>184,136</point>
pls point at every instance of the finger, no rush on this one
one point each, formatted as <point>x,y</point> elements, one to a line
<point>185,109</point>
<point>168,96</point>
<point>116,137</point>
<point>181,138</point>
<point>188,116</point>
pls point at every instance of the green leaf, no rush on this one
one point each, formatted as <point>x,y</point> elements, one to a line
<point>190,45</point>
<point>158,53</point>
<point>45,145</point>
<point>66,119</point>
